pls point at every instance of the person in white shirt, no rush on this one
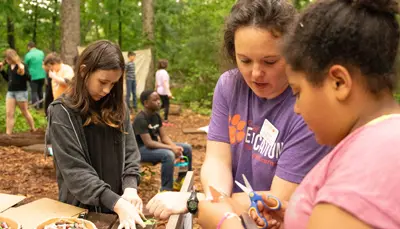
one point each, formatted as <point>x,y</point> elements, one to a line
<point>162,88</point>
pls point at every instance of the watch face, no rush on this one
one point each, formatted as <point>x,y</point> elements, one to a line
<point>192,204</point>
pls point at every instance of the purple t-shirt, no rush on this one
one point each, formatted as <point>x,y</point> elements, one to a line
<point>237,118</point>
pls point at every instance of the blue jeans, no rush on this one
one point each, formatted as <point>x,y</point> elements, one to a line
<point>131,89</point>
<point>167,158</point>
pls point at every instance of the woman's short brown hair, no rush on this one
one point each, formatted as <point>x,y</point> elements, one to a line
<point>275,16</point>
<point>52,58</point>
<point>12,55</point>
<point>162,63</point>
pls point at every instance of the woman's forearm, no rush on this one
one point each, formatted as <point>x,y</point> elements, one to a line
<point>215,174</point>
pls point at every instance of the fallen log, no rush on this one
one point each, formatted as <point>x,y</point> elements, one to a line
<point>174,109</point>
<point>22,139</point>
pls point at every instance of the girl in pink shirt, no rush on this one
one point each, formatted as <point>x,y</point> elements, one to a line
<point>341,58</point>
<point>341,67</point>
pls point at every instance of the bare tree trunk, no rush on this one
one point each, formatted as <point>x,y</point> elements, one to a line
<point>70,30</point>
<point>35,22</point>
<point>53,26</point>
<point>148,30</point>
<point>10,32</point>
<point>119,24</point>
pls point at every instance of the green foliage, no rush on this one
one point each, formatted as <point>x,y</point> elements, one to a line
<point>189,35</point>
<point>187,32</point>
<point>397,96</point>
<point>300,4</point>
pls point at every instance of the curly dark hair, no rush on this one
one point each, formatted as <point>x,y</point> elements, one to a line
<point>275,16</point>
<point>358,34</point>
<point>145,95</point>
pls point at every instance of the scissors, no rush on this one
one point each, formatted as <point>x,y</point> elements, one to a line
<point>255,198</point>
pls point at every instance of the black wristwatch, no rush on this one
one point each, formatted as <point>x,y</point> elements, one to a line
<point>192,203</point>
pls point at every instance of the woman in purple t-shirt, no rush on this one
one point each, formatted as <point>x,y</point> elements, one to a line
<point>254,130</point>
<point>344,76</point>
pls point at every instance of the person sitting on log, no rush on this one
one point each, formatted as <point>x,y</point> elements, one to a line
<point>154,144</point>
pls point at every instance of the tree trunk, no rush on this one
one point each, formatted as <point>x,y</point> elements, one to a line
<point>119,24</point>
<point>148,32</point>
<point>35,23</point>
<point>53,26</point>
<point>70,30</point>
<point>10,32</point>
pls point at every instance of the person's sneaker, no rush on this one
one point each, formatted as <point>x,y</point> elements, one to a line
<point>166,124</point>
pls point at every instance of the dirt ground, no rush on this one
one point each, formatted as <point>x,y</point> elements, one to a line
<point>33,175</point>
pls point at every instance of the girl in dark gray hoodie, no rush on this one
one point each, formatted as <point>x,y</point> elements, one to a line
<point>95,152</point>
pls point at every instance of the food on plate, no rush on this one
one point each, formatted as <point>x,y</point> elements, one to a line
<point>66,224</point>
<point>3,225</point>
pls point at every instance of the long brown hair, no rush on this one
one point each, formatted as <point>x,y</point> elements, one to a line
<point>99,55</point>
<point>12,55</point>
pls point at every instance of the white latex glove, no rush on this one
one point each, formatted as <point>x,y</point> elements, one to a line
<point>165,204</point>
<point>128,215</point>
<point>130,195</point>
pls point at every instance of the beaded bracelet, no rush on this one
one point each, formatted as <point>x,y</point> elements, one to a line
<point>227,215</point>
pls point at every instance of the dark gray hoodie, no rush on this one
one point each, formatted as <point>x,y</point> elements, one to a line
<point>78,182</point>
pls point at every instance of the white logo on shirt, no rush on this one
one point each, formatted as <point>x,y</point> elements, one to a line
<point>260,145</point>
<point>153,127</point>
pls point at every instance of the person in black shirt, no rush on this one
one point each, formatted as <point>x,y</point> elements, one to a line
<point>49,90</point>
<point>17,76</point>
<point>154,144</point>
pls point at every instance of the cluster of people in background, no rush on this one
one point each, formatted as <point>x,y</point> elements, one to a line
<point>39,70</point>
<point>36,70</point>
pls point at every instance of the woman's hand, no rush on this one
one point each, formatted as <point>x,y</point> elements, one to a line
<point>165,204</point>
<point>178,150</point>
<point>21,69</point>
<point>128,215</point>
<point>213,210</point>
<point>130,195</point>
<point>210,214</point>
<point>52,74</point>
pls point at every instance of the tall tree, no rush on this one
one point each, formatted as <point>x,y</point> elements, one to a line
<point>148,32</point>
<point>10,32</point>
<point>8,8</point>
<point>70,30</point>
<point>35,19</point>
<point>53,25</point>
<point>119,24</point>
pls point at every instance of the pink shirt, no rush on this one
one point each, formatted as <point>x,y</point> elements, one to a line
<point>162,82</point>
<point>361,175</point>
